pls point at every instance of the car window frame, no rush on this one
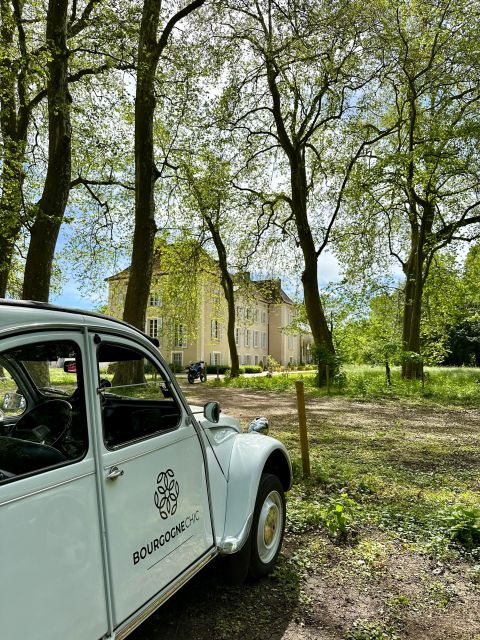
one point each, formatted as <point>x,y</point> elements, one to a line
<point>114,340</point>
<point>33,394</point>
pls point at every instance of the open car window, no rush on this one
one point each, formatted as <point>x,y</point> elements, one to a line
<point>43,423</point>
<point>136,399</point>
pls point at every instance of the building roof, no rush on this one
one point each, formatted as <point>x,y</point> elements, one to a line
<point>271,291</point>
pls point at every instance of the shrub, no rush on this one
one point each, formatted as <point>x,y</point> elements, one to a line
<point>463,525</point>
<point>252,369</point>
<point>339,515</point>
<point>212,368</point>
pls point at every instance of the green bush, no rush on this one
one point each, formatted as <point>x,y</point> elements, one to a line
<point>221,368</point>
<point>252,369</point>
<point>339,515</point>
<point>463,525</point>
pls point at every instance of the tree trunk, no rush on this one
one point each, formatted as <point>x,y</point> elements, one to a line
<point>10,208</point>
<point>149,52</point>
<point>313,304</point>
<point>412,366</point>
<point>416,272</point>
<point>298,203</point>
<point>227,285</point>
<point>52,204</point>
<point>140,276</point>
<point>14,136</point>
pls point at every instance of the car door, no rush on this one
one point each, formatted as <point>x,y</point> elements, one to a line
<point>51,558</point>
<point>156,498</point>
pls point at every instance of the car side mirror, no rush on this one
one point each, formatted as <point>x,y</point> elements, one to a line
<point>211,411</point>
<point>13,402</point>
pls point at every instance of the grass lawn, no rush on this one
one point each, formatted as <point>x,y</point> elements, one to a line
<point>446,386</point>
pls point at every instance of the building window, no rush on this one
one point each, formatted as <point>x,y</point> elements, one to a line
<point>255,315</point>
<point>247,337</point>
<point>154,300</point>
<point>177,360</point>
<point>263,317</point>
<point>215,330</point>
<point>255,338</point>
<point>215,358</point>
<point>180,335</point>
<point>256,359</point>
<point>248,359</point>
<point>239,313</point>
<point>237,336</point>
<point>248,314</point>
<point>264,340</point>
<point>290,342</point>
<point>153,325</point>
<point>120,300</point>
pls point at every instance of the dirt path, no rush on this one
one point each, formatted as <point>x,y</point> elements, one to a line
<point>380,589</point>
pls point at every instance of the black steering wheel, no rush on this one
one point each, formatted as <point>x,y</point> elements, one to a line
<point>47,423</point>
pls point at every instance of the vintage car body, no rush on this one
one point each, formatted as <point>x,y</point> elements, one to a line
<point>113,491</point>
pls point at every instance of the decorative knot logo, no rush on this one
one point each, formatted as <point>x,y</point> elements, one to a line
<point>166,494</point>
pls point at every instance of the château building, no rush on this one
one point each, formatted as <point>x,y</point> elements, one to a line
<point>189,318</point>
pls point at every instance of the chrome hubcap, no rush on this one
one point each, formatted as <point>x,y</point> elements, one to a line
<point>270,527</point>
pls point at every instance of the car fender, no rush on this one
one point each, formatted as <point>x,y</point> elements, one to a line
<point>252,454</point>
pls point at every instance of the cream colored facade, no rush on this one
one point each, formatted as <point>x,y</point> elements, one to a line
<point>260,328</point>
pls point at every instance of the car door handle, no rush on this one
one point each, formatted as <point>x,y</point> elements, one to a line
<point>114,473</point>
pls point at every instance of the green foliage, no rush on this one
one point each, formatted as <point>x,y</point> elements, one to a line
<point>441,385</point>
<point>221,368</point>
<point>249,368</point>
<point>375,337</point>
<point>371,631</point>
<point>303,515</point>
<point>339,515</point>
<point>463,525</point>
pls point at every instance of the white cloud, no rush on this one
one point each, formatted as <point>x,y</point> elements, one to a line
<point>328,269</point>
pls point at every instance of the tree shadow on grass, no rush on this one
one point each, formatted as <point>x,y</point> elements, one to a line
<point>207,608</point>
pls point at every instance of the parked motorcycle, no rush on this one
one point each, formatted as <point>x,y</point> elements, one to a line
<point>196,370</point>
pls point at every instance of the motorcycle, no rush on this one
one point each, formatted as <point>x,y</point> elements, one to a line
<point>196,370</point>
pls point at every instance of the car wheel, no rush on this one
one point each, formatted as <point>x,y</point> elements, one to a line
<point>268,526</point>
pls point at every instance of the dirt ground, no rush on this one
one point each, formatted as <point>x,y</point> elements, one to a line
<point>380,589</point>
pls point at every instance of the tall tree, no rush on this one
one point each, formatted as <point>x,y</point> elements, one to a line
<point>208,183</point>
<point>300,70</point>
<point>21,90</point>
<point>425,181</point>
<point>51,207</point>
<point>65,68</point>
<point>150,50</point>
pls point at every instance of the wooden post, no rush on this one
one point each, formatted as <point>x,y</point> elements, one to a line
<point>302,422</point>
<point>218,375</point>
<point>327,374</point>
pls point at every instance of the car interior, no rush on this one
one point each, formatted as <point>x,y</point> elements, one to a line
<point>42,419</point>
<point>137,402</point>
